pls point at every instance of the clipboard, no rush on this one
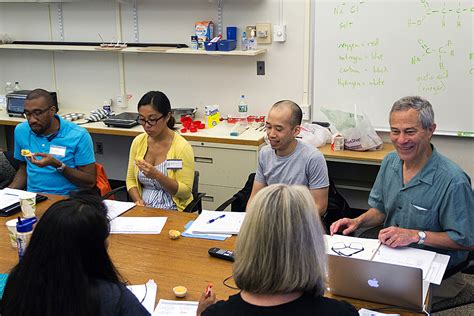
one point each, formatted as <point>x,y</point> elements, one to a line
<point>15,207</point>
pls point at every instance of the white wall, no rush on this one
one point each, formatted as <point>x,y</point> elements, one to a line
<point>85,79</point>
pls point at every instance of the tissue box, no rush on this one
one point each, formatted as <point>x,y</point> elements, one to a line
<point>212,116</point>
<point>226,45</point>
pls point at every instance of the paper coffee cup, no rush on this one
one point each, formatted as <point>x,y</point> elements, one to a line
<point>11,226</point>
<point>28,204</point>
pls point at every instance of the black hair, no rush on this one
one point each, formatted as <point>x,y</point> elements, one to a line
<point>41,93</point>
<point>66,257</point>
<point>160,103</point>
<point>296,113</point>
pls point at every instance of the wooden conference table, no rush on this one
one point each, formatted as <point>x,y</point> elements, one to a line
<point>168,262</point>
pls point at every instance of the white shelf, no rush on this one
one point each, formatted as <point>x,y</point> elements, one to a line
<point>156,50</point>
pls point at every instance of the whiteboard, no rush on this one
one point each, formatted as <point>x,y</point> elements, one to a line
<point>373,52</point>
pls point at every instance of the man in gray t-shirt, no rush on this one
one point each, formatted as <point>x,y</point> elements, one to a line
<point>288,160</point>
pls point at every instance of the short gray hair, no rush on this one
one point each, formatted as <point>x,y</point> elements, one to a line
<point>422,106</point>
<point>280,248</point>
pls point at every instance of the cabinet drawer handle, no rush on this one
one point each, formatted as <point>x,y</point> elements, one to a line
<point>208,198</point>
<point>203,159</point>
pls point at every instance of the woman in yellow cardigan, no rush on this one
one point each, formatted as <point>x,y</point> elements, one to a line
<point>161,164</point>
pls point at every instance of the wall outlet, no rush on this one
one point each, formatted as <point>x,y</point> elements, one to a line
<point>279,33</point>
<point>122,101</point>
<point>306,109</point>
<point>99,148</point>
<point>264,33</point>
<point>260,68</point>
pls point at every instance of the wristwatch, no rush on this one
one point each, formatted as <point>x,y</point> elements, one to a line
<point>422,236</point>
<point>61,168</point>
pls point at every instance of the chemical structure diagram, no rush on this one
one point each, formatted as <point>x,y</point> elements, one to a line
<point>446,10</point>
<point>428,81</point>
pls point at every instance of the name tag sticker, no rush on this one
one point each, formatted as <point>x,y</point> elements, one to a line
<point>174,164</point>
<point>57,150</point>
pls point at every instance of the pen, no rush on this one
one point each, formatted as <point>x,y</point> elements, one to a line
<point>12,194</point>
<point>215,219</point>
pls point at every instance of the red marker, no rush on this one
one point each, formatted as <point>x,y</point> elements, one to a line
<point>208,290</point>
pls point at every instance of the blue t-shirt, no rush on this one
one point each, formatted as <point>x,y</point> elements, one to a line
<point>72,145</point>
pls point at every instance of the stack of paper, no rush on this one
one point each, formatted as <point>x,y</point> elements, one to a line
<point>146,294</point>
<point>117,208</point>
<point>137,225</point>
<point>212,222</point>
<point>8,197</point>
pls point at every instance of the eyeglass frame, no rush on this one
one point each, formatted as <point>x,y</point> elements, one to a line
<point>36,112</point>
<point>349,247</point>
<point>143,122</point>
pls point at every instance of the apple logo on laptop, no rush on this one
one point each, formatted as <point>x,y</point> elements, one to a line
<point>373,282</point>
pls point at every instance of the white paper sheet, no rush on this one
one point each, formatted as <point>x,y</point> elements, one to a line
<point>406,256</point>
<point>370,245</point>
<point>176,308</point>
<point>9,197</point>
<point>146,294</point>
<point>230,223</point>
<point>117,208</point>
<point>137,225</point>
<point>368,312</point>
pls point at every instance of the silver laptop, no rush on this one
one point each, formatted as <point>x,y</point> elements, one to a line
<point>376,281</point>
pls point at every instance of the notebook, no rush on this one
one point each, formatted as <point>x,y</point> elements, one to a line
<point>379,282</point>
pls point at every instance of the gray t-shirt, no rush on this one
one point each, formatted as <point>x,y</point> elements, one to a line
<point>304,166</point>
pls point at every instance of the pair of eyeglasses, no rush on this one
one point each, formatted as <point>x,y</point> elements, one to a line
<point>345,250</point>
<point>151,122</point>
<point>36,113</point>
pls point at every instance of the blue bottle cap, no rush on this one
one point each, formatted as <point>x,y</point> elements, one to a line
<point>26,225</point>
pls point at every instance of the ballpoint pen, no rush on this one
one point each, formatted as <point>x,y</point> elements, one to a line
<point>215,219</point>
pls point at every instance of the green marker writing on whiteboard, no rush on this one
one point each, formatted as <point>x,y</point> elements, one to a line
<point>465,134</point>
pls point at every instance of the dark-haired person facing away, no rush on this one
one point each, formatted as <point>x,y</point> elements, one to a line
<point>288,160</point>
<point>161,163</point>
<point>63,155</point>
<point>66,269</point>
<point>280,260</point>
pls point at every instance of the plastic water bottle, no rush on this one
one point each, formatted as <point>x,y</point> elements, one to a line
<point>243,110</point>
<point>24,229</point>
<point>244,44</point>
<point>17,86</point>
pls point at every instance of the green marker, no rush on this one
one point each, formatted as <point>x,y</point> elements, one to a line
<point>465,134</point>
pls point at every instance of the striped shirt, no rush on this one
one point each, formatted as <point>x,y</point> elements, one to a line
<point>153,193</point>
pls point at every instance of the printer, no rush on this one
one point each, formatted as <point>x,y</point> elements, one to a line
<point>16,102</point>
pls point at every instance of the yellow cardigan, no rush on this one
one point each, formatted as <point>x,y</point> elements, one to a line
<point>180,149</point>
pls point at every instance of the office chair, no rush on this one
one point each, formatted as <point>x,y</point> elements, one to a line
<point>193,206</point>
<point>238,202</point>
<point>196,203</point>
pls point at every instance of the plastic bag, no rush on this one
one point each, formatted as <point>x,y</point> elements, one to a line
<point>359,135</point>
<point>315,134</point>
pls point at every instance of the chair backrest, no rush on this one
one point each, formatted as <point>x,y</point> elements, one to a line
<point>196,203</point>
<point>195,188</point>
<point>102,182</point>
<point>242,197</point>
